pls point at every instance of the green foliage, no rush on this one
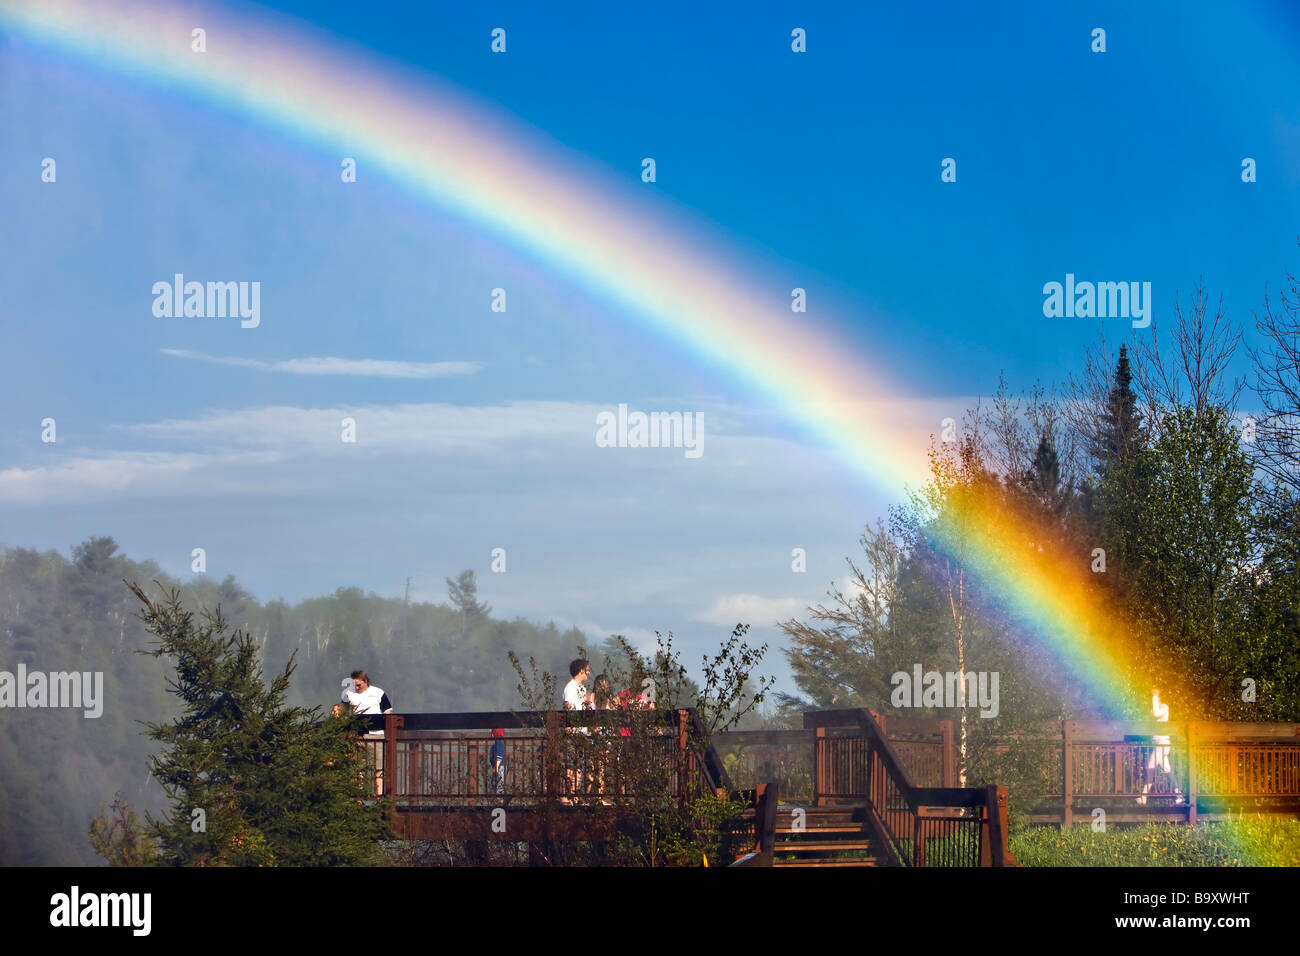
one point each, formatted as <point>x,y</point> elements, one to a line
<point>251,780</point>
<point>61,614</point>
<point>709,832</point>
<point>1245,841</point>
<point>1201,565</point>
<point>628,766</point>
<point>121,838</point>
<point>463,593</point>
<point>845,656</point>
<point>57,766</point>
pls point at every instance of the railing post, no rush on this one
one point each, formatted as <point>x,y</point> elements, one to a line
<point>552,770</point>
<point>821,769</point>
<point>1191,777</point>
<point>945,728</point>
<point>415,770</point>
<point>683,753</point>
<point>1067,774</point>
<point>1117,768</point>
<point>471,767</point>
<point>994,852</point>
<point>392,723</point>
<point>765,803</point>
<point>986,832</point>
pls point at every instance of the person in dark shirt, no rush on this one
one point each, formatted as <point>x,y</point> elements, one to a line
<point>497,759</point>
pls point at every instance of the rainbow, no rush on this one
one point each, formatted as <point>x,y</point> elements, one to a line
<point>607,236</point>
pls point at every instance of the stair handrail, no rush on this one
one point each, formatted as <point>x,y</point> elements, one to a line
<point>991,801</point>
<point>715,770</point>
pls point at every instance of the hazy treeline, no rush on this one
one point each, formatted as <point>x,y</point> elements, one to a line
<point>57,767</point>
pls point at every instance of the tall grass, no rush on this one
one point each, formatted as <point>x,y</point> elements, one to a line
<point>1244,841</point>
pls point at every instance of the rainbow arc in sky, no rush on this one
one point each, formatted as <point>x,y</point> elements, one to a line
<point>606,237</point>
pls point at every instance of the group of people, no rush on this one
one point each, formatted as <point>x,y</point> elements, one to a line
<point>363,697</point>
<point>600,697</point>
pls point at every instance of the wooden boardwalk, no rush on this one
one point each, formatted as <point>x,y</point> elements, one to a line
<point>852,788</point>
<point>865,808</point>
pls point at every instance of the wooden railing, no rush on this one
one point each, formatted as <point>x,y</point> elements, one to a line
<point>787,757</point>
<point>444,759</point>
<point>437,769</point>
<point>764,798</point>
<point>443,762</point>
<point>914,826</point>
<point>1178,771</point>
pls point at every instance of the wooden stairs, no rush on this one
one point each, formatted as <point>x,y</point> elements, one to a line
<point>825,836</point>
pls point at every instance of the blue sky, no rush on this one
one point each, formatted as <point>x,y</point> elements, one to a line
<point>823,168</point>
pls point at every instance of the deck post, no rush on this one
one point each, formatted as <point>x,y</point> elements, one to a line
<point>1191,776</point>
<point>821,772</point>
<point>392,724</point>
<point>471,767</point>
<point>553,771</point>
<point>997,811</point>
<point>765,804</point>
<point>683,753</point>
<point>1067,774</point>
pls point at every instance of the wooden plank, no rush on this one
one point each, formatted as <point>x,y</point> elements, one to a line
<point>392,724</point>
<point>524,719</point>
<point>766,799</point>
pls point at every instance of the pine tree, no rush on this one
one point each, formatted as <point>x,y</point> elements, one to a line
<point>464,596</point>
<point>251,780</point>
<point>1042,482</point>
<point>1117,505</point>
<point>1121,430</point>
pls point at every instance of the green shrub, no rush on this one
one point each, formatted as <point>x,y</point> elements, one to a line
<point>1246,841</point>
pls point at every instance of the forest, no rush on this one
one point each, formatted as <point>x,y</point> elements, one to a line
<point>59,769</point>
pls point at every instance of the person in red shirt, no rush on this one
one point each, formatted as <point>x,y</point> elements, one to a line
<point>630,699</point>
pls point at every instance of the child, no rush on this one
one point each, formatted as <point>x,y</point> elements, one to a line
<point>497,759</point>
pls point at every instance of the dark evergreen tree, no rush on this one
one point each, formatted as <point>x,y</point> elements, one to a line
<point>251,780</point>
<point>1117,503</point>
<point>1048,495</point>
<point>1121,430</point>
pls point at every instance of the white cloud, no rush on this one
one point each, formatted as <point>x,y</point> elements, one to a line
<point>387,428</point>
<point>122,474</point>
<point>328,365</point>
<point>732,609</point>
<point>542,453</point>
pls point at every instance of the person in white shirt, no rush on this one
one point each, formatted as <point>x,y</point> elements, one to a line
<point>366,698</point>
<point>1160,752</point>
<point>575,698</point>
